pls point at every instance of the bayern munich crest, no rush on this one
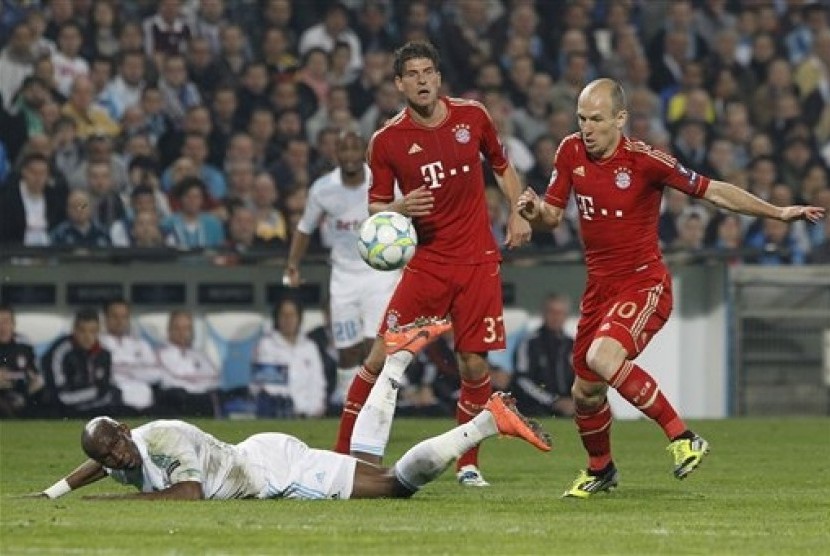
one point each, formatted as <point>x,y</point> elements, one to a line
<point>462,133</point>
<point>392,318</point>
<point>622,179</point>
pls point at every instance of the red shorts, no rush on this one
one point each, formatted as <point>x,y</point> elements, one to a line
<point>469,294</point>
<point>631,311</point>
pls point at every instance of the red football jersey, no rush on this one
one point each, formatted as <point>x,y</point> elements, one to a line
<point>447,159</point>
<point>618,200</point>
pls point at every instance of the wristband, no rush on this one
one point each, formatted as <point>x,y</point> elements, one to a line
<point>58,489</point>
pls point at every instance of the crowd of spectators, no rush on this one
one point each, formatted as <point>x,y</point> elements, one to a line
<point>200,125</point>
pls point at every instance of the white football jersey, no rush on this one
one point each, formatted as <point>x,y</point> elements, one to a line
<point>174,451</point>
<point>340,210</point>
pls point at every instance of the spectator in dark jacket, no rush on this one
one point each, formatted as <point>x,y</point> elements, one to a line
<point>78,230</point>
<point>29,207</point>
<point>20,382</point>
<point>543,371</point>
<point>78,371</point>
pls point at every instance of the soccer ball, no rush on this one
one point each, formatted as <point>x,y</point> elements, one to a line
<point>387,240</point>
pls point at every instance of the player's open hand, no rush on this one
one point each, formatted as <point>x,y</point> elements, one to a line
<point>799,212</point>
<point>418,202</point>
<point>529,204</point>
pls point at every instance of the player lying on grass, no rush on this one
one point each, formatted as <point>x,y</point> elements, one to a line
<point>176,460</point>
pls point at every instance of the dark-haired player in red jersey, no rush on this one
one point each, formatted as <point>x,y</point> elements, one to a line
<point>618,184</point>
<point>433,149</point>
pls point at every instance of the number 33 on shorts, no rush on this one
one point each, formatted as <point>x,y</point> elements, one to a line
<point>494,329</point>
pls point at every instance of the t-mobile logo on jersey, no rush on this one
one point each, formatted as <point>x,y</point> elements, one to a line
<point>434,172</point>
<point>588,211</point>
<point>586,206</point>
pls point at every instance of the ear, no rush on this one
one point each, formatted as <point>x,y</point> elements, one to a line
<point>399,84</point>
<point>622,118</point>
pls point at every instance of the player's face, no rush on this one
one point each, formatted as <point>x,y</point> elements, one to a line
<point>350,154</point>
<point>118,319</point>
<point>85,334</point>
<point>601,128</point>
<point>120,451</point>
<point>419,82</point>
<point>6,326</point>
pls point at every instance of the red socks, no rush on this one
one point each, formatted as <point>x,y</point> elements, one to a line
<point>641,390</point>
<point>356,397</point>
<point>594,425</point>
<point>474,396</point>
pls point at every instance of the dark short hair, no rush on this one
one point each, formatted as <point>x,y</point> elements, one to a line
<point>337,7</point>
<point>131,53</point>
<point>34,157</point>
<point>143,162</point>
<point>109,304</point>
<point>71,25</point>
<point>189,183</point>
<point>33,80</point>
<point>413,50</point>
<point>140,190</point>
<point>286,298</point>
<point>86,314</point>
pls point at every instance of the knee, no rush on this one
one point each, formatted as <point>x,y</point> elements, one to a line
<point>472,366</point>
<point>588,398</point>
<point>598,363</point>
<point>604,360</point>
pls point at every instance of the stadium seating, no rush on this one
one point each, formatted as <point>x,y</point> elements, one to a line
<point>153,327</point>
<point>231,339</point>
<point>41,329</point>
<point>312,318</point>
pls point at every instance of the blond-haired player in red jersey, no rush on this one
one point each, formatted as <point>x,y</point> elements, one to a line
<point>618,184</point>
<point>433,150</point>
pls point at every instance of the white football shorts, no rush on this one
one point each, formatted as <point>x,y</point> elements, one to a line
<point>358,302</point>
<point>287,468</point>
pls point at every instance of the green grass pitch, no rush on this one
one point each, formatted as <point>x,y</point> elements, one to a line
<point>764,489</point>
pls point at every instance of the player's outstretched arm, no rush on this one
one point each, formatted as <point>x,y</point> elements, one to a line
<point>518,228</point>
<point>731,197</point>
<point>299,246</point>
<point>184,490</point>
<point>88,472</point>
<point>535,210</point>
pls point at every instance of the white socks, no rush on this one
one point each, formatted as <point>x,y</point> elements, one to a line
<point>428,459</point>
<point>374,422</point>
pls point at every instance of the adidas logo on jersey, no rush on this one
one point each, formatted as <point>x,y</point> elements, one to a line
<point>415,149</point>
<point>580,171</point>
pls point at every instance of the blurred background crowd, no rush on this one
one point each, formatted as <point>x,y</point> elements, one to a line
<point>201,124</point>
